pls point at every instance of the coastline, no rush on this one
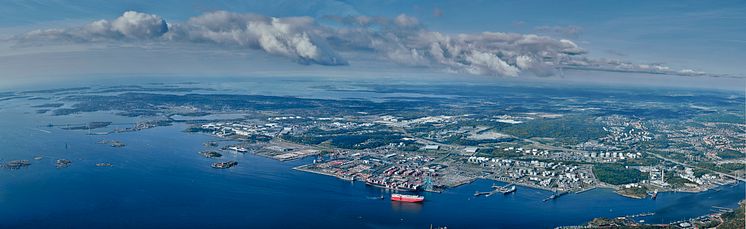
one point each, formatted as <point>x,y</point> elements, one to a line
<point>304,168</point>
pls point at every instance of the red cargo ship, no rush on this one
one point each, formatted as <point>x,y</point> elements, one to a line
<point>407,198</point>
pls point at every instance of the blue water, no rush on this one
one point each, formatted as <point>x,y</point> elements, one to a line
<point>159,180</point>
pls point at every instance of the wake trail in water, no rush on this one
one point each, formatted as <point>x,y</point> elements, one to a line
<point>45,131</point>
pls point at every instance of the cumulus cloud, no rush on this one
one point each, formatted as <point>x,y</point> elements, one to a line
<point>405,40</point>
<point>402,39</point>
<point>137,25</point>
<point>131,25</point>
<point>294,37</point>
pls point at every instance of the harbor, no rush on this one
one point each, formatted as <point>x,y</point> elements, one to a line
<point>162,169</point>
<point>507,189</point>
<point>268,181</point>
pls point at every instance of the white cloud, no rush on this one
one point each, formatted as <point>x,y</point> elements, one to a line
<point>293,37</point>
<point>524,62</point>
<point>136,25</point>
<point>402,39</point>
<point>481,63</point>
<point>406,21</point>
<point>131,25</point>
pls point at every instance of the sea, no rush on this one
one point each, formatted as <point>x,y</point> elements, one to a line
<point>158,180</point>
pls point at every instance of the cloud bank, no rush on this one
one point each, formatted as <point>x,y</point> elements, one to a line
<point>402,39</point>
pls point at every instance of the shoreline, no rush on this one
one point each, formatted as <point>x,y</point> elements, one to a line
<point>614,189</point>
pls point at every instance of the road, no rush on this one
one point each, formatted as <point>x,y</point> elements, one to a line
<point>687,165</point>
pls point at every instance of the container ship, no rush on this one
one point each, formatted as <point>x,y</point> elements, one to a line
<point>407,198</point>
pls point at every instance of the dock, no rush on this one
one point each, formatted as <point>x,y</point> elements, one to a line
<point>509,188</point>
<point>555,196</point>
<point>644,214</point>
<point>478,193</point>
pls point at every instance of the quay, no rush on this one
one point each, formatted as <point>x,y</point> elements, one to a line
<point>509,188</point>
<point>555,196</point>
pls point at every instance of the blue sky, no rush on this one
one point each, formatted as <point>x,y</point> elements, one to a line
<point>700,38</point>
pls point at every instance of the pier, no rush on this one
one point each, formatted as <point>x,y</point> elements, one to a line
<point>644,214</point>
<point>509,188</point>
<point>555,196</point>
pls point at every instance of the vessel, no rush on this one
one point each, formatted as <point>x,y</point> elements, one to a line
<point>407,198</point>
<point>508,190</point>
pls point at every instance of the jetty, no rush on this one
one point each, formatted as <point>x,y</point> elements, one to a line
<point>555,196</point>
<point>478,193</point>
<point>509,188</point>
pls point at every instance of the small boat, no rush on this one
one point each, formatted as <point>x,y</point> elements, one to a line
<point>407,198</point>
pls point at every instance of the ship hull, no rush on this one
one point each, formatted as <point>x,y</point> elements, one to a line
<point>407,198</point>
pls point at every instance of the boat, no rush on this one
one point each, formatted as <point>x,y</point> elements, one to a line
<point>407,198</point>
<point>508,190</point>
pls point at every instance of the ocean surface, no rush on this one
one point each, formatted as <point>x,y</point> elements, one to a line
<point>159,181</point>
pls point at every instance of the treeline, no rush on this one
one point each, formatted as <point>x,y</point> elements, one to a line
<point>723,168</point>
<point>617,174</point>
<point>464,141</point>
<point>724,118</point>
<point>569,129</point>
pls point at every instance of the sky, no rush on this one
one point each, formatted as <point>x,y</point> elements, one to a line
<point>700,43</point>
